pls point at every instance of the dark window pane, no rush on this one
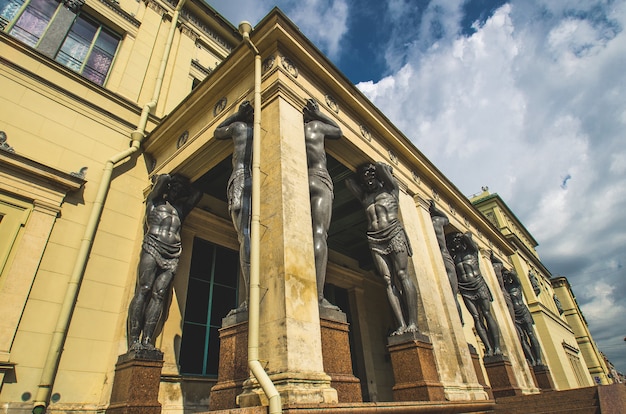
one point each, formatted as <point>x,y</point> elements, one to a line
<point>226,268</point>
<point>8,11</point>
<point>224,299</point>
<point>214,352</point>
<point>201,260</point>
<point>32,23</point>
<point>197,304</point>
<point>192,349</point>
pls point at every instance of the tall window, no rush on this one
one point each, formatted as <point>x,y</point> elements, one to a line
<point>88,47</point>
<point>212,292</point>
<point>27,20</point>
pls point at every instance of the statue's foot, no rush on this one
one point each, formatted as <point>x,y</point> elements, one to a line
<point>488,352</point>
<point>135,346</point>
<point>398,331</point>
<point>147,345</point>
<point>323,303</point>
<point>497,351</point>
<point>241,308</point>
<point>411,328</point>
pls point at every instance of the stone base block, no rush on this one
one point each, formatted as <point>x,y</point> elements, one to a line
<point>543,379</point>
<point>337,358</point>
<point>293,387</point>
<point>136,383</point>
<point>414,368</point>
<point>479,371</point>
<point>233,364</point>
<point>501,377</point>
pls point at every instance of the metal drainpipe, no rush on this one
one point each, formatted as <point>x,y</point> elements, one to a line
<point>275,405</point>
<point>51,364</point>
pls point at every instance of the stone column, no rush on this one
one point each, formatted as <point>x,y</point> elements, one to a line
<point>19,278</point>
<point>438,316</point>
<point>290,338</point>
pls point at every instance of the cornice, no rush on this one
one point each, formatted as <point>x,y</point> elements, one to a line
<point>115,7</point>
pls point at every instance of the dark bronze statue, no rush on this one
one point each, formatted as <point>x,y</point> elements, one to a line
<point>474,290</point>
<point>534,282</point>
<point>440,220</point>
<point>167,205</point>
<point>317,128</point>
<point>523,319</point>
<point>378,191</point>
<point>557,302</point>
<point>238,127</point>
<point>498,268</point>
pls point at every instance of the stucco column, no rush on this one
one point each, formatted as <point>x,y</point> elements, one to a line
<point>438,316</point>
<point>20,276</point>
<point>289,321</point>
<point>509,340</point>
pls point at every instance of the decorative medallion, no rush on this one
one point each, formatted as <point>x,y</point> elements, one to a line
<point>182,139</point>
<point>332,104</point>
<point>289,66</point>
<point>268,64</point>
<point>452,210</point>
<point>466,221</point>
<point>219,106</point>
<point>393,157</point>
<point>416,177</point>
<point>365,132</point>
<point>435,194</point>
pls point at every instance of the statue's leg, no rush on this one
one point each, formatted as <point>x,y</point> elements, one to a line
<point>146,275</point>
<point>534,344</point>
<point>492,326</point>
<point>321,213</point>
<point>478,325</point>
<point>409,291</point>
<point>155,306</point>
<point>392,292</point>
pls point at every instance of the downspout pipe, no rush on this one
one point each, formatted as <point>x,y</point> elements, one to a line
<point>275,405</point>
<point>48,374</point>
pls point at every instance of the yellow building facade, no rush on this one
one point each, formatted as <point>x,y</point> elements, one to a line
<point>98,97</point>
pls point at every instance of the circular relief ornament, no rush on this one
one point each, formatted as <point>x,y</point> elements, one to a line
<point>416,177</point>
<point>451,207</point>
<point>332,104</point>
<point>219,106</point>
<point>435,194</point>
<point>365,132</point>
<point>289,66</point>
<point>268,64</point>
<point>393,157</point>
<point>182,139</point>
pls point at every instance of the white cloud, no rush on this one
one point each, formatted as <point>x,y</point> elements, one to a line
<point>532,105</point>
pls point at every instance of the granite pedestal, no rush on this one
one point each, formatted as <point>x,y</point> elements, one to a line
<point>543,379</point>
<point>414,368</point>
<point>501,376</point>
<point>136,383</point>
<point>479,372</point>
<point>337,357</point>
<point>233,366</point>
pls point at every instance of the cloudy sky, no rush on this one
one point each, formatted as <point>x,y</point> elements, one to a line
<point>526,97</point>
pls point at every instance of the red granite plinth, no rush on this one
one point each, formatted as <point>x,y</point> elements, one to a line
<point>233,366</point>
<point>337,358</point>
<point>479,372</point>
<point>501,377</point>
<point>543,379</point>
<point>414,368</point>
<point>136,383</point>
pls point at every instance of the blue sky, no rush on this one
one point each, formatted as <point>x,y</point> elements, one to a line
<point>527,97</point>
